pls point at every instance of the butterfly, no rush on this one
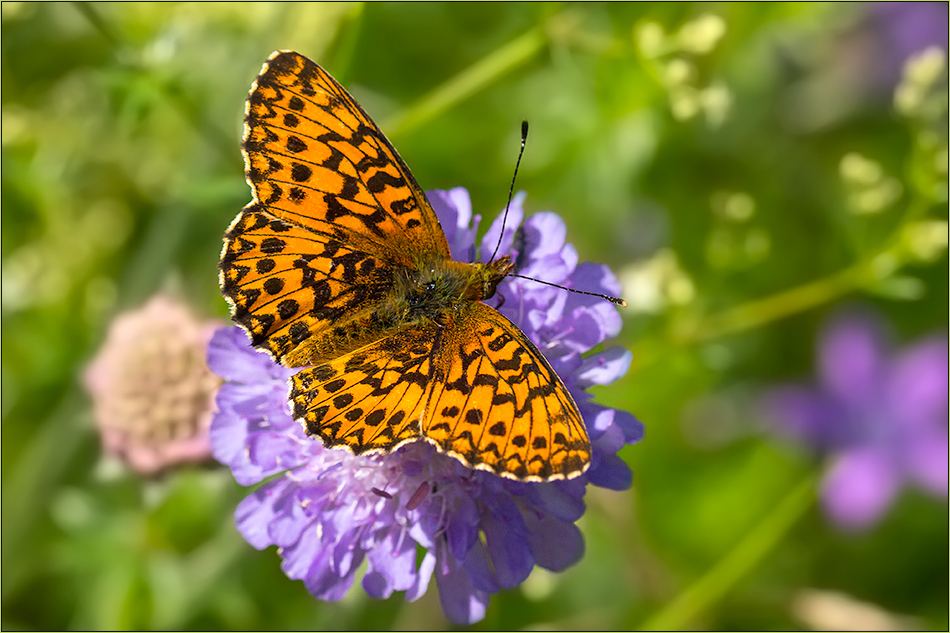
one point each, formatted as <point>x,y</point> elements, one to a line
<point>339,265</point>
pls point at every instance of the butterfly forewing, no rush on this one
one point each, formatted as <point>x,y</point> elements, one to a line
<point>335,214</point>
<point>288,285</point>
<point>316,160</point>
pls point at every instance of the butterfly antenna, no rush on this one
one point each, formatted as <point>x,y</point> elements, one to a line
<point>614,300</point>
<point>524,137</point>
<point>511,189</point>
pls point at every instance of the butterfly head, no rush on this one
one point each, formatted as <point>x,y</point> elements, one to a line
<point>486,277</point>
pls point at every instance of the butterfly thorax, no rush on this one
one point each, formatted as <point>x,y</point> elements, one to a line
<point>436,290</point>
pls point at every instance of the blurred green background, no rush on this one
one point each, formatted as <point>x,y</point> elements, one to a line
<point>743,167</point>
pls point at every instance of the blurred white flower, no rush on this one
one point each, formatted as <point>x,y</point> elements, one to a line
<point>823,610</point>
<point>701,35</point>
<point>650,38</point>
<point>870,190</point>
<point>651,285</point>
<point>927,240</point>
<point>921,73</point>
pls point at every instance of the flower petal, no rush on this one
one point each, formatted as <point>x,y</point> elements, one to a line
<point>325,584</point>
<point>808,415</point>
<point>230,357</point>
<point>478,567</point>
<point>858,488</point>
<point>462,603</point>
<point>255,512</point>
<point>926,458</point>
<point>633,429</point>
<point>392,565</point>
<point>490,239</point>
<point>423,575</point>
<point>609,471</point>
<point>506,539</point>
<point>563,499</point>
<point>309,553</point>
<point>555,544</point>
<point>850,353</point>
<point>917,385</point>
<point>604,368</point>
<point>290,519</point>
<point>454,210</point>
<point>461,529</point>
<point>544,234</point>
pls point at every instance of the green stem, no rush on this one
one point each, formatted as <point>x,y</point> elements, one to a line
<point>894,255</point>
<point>777,306</point>
<point>467,82</point>
<point>36,473</point>
<point>205,567</point>
<point>780,305</point>
<point>719,580</point>
<point>757,312</point>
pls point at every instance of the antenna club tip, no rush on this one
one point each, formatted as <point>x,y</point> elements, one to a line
<point>622,303</point>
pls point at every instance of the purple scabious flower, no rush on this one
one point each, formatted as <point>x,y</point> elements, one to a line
<point>329,511</point>
<point>882,418</point>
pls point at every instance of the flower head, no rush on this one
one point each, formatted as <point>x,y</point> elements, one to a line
<point>152,391</point>
<point>881,417</point>
<point>329,511</point>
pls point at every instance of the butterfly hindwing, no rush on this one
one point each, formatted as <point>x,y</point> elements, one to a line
<point>499,406</point>
<point>475,387</point>
<point>371,399</point>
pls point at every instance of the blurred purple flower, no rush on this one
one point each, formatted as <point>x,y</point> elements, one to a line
<point>901,29</point>
<point>152,392</point>
<point>881,417</point>
<point>328,510</point>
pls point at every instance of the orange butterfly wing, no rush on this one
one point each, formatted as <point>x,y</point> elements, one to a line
<point>499,406</point>
<point>372,399</point>
<point>473,386</point>
<point>336,212</point>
